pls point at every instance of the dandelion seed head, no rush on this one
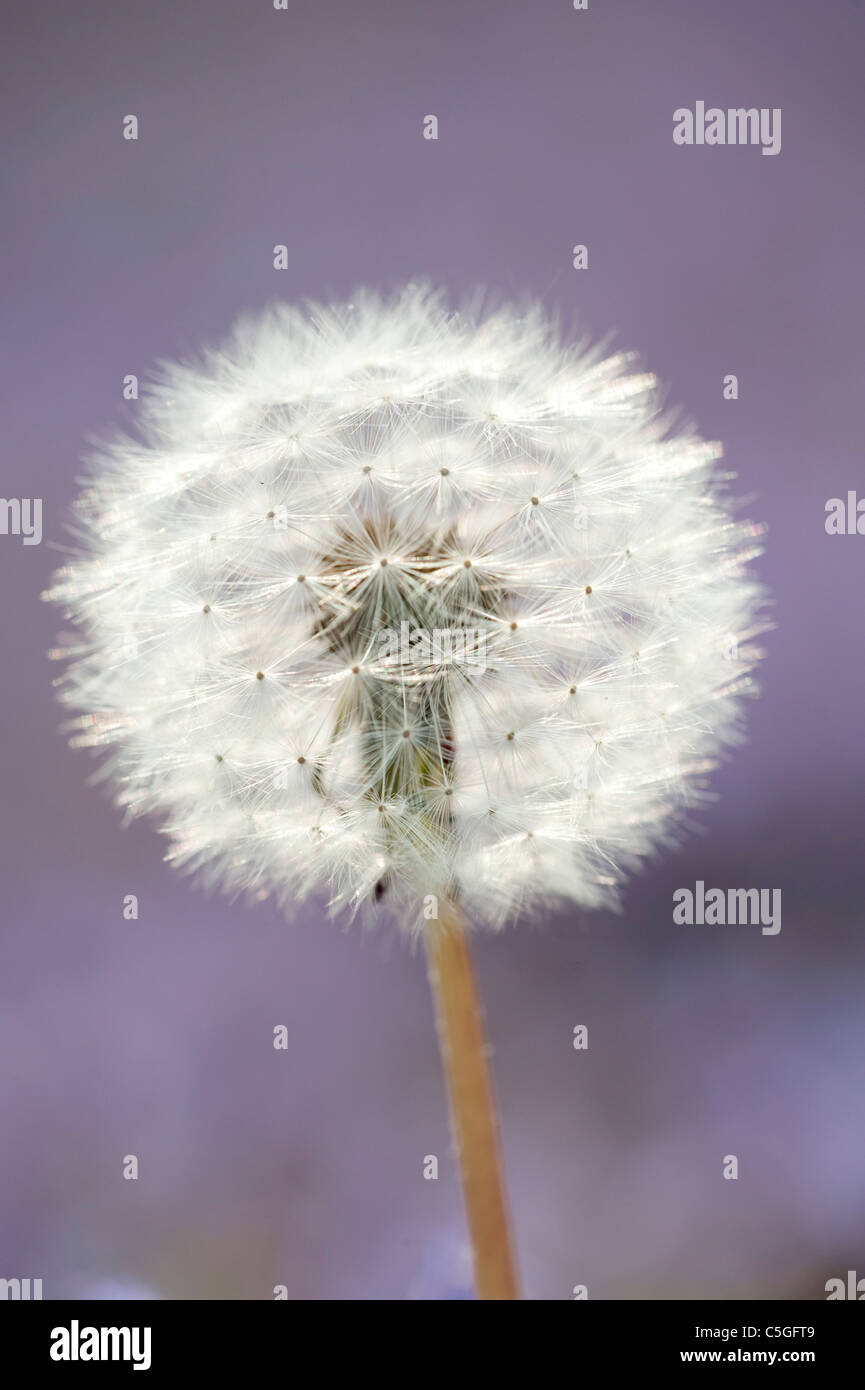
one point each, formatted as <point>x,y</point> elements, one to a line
<point>334,478</point>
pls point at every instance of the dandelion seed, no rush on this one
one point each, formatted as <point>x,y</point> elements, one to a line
<point>300,411</point>
<point>341,418</point>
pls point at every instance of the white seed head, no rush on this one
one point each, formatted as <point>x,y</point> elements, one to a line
<point>391,602</point>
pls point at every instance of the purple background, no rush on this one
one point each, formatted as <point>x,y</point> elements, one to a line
<point>155,1037</point>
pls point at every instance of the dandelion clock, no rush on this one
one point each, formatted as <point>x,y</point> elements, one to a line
<point>425,614</point>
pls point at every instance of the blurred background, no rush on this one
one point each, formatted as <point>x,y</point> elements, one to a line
<point>154,1037</point>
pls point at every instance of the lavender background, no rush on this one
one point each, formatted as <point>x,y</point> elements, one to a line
<point>155,1037</point>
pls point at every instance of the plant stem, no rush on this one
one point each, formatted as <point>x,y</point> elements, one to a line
<point>459,1023</point>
